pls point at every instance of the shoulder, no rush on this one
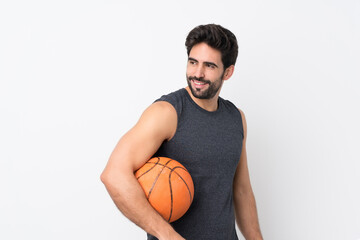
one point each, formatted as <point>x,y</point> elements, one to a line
<point>235,110</point>
<point>230,106</point>
<point>160,111</point>
<point>161,118</point>
<point>173,96</point>
<point>162,107</point>
<point>176,99</point>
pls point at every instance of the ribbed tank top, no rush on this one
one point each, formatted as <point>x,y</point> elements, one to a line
<point>209,145</point>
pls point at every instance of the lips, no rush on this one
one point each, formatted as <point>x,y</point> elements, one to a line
<point>198,83</point>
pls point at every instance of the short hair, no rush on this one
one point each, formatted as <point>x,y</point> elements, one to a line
<point>216,37</point>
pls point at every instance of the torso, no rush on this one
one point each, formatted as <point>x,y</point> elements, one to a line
<point>209,145</point>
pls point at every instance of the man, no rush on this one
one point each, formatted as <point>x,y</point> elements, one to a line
<point>205,133</point>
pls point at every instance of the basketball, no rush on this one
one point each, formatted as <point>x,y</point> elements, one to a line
<point>168,186</point>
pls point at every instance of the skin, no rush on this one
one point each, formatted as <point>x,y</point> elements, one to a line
<point>244,200</point>
<point>205,62</point>
<point>157,124</point>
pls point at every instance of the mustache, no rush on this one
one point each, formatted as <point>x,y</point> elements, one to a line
<point>199,79</point>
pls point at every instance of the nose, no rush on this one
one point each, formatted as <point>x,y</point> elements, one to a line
<point>199,72</point>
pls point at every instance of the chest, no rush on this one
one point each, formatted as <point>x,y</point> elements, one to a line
<point>207,146</point>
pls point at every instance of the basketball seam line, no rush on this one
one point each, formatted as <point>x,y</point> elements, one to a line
<point>171,194</point>
<point>171,197</point>
<point>183,181</point>
<point>157,177</point>
<point>171,171</point>
<point>148,169</point>
<point>166,166</point>
<point>176,173</point>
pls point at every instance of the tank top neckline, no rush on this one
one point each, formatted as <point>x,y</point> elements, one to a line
<point>218,110</point>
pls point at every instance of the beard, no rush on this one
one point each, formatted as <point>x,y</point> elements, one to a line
<point>209,92</point>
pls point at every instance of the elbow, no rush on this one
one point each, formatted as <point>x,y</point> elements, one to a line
<point>114,179</point>
<point>110,184</point>
<point>106,178</point>
<point>117,185</point>
<point>103,177</point>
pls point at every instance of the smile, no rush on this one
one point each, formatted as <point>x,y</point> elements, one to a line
<point>198,83</point>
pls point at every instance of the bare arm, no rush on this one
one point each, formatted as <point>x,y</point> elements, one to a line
<point>244,200</point>
<point>157,124</point>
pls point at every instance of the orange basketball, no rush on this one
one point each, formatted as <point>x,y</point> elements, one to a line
<point>168,186</point>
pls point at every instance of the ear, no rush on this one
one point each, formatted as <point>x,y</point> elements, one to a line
<point>228,72</point>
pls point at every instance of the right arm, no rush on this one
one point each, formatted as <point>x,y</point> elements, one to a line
<point>157,124</point>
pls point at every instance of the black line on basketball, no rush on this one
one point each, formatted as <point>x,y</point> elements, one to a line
<point>148,169</point>
<point>182,180</point>
<point>157,177</point>
<point>176,173</point>
<point>166,166</point>
<point>171,195</point>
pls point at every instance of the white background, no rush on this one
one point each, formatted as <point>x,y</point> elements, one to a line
<point>76,75</point>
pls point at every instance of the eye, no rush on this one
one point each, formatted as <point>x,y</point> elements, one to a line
<point>191,62</point>
<point>210,66</point>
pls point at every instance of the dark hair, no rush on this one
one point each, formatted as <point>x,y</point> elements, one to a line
<point>216,37</point>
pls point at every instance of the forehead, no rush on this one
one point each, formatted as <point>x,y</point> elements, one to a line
<point>204,53</point>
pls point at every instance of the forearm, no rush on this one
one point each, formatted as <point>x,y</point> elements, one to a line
<point>130,199</point>
<point>246,215</point>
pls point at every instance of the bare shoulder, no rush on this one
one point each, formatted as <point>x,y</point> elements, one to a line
<point>157,124</point>
<point>162,107</point>
<point>160,117</point>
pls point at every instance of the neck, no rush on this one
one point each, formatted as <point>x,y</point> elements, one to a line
<point>210,105</point>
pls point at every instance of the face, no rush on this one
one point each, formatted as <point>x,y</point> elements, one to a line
<point>205,71</point>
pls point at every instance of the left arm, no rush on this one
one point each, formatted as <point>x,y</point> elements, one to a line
<point>244,200</point>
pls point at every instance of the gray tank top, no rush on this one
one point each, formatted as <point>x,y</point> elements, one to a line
<point>209,145</point>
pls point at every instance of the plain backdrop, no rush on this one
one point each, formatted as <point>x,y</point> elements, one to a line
<point>76,75</point>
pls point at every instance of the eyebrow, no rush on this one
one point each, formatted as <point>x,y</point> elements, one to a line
<point>210,63</point>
